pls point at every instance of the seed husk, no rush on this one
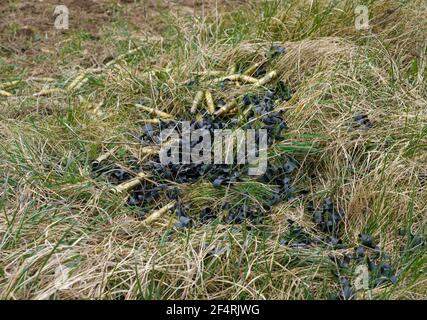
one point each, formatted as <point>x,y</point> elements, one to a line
<point>41,79</point>
<point>209,73</point>
<point>49,92</point>
<point>247,79</point>
<point>156,112</point>
<point>104,156</point>
<point>231,77</point>
<point>197,101</point>
<point>266,79</point>
<point>237,77</point>
<point>232,111</point>
<point>209,102</point>
<point>9,84</point>
<point>129,185</point>
<point>150,150</point>
<point>233,68</point>
<point>250,71</point>
<point>226,108</point>
<point>150,121</point>
<point>77,82</point>
<point>158,213</point>
<point>5,93</point>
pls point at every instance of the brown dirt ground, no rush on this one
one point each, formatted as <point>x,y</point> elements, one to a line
<point>28,33</point>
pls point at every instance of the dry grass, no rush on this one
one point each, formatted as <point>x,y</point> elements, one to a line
<point>64,236</point>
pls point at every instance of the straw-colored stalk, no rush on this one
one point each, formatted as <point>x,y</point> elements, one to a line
<point>247,110</point>
<point>120,57</point>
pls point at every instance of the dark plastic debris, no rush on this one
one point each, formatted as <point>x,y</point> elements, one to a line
<point>366,240</point>
<point>207,215</point>
<point>346,292</point>
<point>362,121</point>
<point>276,50</point>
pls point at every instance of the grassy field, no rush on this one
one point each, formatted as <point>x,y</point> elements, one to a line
<point>65,235</point>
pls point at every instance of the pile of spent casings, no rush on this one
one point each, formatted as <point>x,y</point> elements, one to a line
<point>157,185</point>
